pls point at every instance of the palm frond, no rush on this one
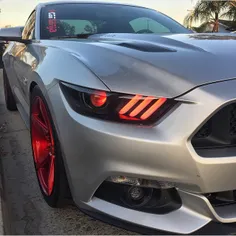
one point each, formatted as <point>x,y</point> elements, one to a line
<point>230,13</point>
<point>206,11</point>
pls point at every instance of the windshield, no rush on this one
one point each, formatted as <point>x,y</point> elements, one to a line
<point>87,18</point>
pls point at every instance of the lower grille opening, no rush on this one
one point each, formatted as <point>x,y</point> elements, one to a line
<point>156,201</point>
<point>222,198</point>
<point>219,132</point>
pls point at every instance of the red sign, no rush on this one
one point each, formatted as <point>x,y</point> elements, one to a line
<point>52,22</point>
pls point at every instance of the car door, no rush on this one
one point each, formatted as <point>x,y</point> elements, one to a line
<point>23,61</point>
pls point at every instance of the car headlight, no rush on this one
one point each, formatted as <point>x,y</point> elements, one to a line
<point>125,108</point>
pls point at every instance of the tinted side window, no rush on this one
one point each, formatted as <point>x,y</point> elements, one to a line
<point>29,30</point>
<point>147,24</point>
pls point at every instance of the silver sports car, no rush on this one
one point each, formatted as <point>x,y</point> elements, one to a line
<point>131,115</point>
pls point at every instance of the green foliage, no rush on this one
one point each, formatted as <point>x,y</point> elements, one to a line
<point>210,12</point>
<point>69,30</point>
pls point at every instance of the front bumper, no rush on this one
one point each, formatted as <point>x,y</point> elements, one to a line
<point>212,228</point>
<point>94,150</point>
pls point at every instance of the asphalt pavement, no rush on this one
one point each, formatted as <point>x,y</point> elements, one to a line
<point>24,210</point>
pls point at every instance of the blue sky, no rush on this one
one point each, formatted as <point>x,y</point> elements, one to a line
<point>15,12</point>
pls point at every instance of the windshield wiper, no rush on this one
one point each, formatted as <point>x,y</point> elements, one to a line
<point>79,36</point>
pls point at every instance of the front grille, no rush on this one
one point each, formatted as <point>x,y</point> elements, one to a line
<point>204,132</point>
<point>219,131</point>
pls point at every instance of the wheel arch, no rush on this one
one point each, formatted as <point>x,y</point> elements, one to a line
<point>36,80</point>
<point>39,82</point>
<point>60,191</point>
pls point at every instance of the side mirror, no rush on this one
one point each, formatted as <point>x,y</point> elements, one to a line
<point>9,34</point>
<point>12,34</point>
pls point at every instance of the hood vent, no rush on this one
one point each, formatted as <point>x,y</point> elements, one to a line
<point>145,47</point>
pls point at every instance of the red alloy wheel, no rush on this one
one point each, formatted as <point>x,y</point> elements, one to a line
<point>43,145</point>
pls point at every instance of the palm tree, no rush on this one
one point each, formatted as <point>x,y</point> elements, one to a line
<point>207,12</point>
<point>231,12</point>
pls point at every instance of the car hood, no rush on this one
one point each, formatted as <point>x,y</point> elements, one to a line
<point>159,65</point>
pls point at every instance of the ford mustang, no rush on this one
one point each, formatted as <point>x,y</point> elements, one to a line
<point>131,115</point>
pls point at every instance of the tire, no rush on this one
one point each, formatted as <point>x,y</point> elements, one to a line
<point>57,193</point>
<point>9,97</point>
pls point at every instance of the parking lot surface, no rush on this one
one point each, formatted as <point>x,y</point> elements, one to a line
<point>24,209</point>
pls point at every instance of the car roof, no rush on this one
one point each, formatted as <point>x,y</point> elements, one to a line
<point>88,2</point>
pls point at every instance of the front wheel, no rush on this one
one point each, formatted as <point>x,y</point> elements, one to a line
<point>46,152</point>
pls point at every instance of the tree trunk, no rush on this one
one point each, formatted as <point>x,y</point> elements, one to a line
<point>216,23</point>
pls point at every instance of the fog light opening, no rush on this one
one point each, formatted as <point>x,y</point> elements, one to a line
<point>137,197</point>
<point>136,193</point>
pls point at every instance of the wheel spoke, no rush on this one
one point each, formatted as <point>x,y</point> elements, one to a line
<point>39,124</point>
<point>42,161</point>
<point>43,145</point>
<point>43,112</point>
